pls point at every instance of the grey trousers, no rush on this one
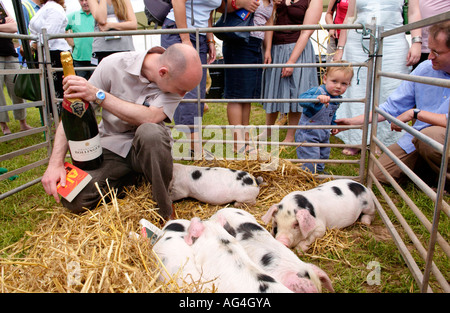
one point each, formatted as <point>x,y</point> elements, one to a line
<point>6,64</point>
<point>150,155</point>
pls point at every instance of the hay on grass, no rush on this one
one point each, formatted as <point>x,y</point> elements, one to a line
<point>94,252</point>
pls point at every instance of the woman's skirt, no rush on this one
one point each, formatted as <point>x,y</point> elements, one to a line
<point>302,79</point>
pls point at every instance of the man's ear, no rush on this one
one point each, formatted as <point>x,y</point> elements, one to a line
<point>163,72</point>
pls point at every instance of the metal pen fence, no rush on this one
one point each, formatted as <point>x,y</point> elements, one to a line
<point>426,256</point>
<point>365,173</point>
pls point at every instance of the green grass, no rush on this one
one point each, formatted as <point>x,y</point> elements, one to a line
<point>21,213</point>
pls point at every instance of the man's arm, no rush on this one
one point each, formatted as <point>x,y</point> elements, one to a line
<point>431,118</point>
<point>132,113</point>
<point>55,171</point>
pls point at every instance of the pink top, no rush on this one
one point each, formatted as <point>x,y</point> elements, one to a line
<point>262,15</point>
<point>341,12</point>
<point>430,8</point>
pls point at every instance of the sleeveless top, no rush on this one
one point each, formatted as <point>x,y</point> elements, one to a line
<point>261,16</point>
<point>293,14</point>
<point>111,43</point>
<point>341,12</point>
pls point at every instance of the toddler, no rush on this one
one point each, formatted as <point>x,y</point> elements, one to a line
<point>335,82</point>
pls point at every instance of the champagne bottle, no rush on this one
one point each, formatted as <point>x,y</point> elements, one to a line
<point>80,126</point>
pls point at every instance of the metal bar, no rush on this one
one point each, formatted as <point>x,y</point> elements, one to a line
<point>422,218</point>
<point>28,149</point>
<point>51,82</point>
<point>419,24</point>
<point>206,30</point>
<point>431,142</point>
<point>23,169</point>
<point>17,106</point>
<point>22,134</point>
<point>20,188</point>
<point>409,260</point>
<point>438,204</point>
<point>266,100</point>
<point>408,172</point>
<point>416,242</point>
<point>418,79</point>
<point>368,104</point>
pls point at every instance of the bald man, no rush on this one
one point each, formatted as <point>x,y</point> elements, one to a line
<point>141,92</point>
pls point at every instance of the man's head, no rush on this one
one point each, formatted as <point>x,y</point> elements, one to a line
<point>84,6</point>
<point>179,69</point>
<point>439,45</point>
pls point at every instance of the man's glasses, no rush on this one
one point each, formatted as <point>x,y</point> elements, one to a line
<point>436,54</point>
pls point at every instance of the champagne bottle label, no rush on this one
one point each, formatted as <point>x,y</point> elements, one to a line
<point>76,106</point>
<point>85,150</point>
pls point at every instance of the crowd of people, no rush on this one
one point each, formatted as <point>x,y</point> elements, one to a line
<point>162,84</point>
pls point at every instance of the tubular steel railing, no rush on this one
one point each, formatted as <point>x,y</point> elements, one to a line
<point>422,277</point>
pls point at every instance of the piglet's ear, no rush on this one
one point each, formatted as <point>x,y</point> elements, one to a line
<point>306,222</point>
<point>195,230</point>
<point>268,216</point>
<point>323,277</point>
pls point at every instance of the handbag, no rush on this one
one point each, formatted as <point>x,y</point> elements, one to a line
<point>231,20</point>
<point>157,10</point>
<point>27,86</point>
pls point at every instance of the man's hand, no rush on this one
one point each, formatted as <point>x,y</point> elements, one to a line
<point>78,87</point>
<point>405,117</point>
<point>52,176</point>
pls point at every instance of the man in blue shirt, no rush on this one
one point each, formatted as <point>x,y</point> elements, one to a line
<point>427,104</point>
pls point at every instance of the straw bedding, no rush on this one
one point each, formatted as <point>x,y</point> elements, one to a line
<point>94,252</point>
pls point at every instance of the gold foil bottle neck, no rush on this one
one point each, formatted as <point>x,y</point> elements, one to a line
<point>67,63</point>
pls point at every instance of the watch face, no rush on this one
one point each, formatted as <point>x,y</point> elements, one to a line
<point>100,95</point>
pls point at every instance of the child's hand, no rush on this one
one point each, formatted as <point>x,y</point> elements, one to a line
<point>324,99</point>
<point>334,131</point>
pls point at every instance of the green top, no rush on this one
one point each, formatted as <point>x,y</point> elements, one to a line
<point>80,22</point>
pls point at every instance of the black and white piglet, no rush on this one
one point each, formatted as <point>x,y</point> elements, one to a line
<point>213,185</point>
<point>176,255</point>
<point>221,259</point>
<point>274,257</point>
<point>303,216</point>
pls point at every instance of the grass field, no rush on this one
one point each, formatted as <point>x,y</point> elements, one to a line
<point>363,249</point>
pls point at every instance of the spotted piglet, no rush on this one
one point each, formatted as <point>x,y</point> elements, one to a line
<point>221,259</point>
<point>213,185</point>
<point>176,255</point>
<point>274,257</point>
<point>303,216</point>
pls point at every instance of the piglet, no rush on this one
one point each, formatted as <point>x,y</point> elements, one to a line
<point>274,257</point>
<point>303,216</point>
<point>221,259</point>
<point>176,255</point>
<point>213,185</point>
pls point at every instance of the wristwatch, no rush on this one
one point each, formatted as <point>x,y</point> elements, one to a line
<point>99,97</point>
<point>416,111</point>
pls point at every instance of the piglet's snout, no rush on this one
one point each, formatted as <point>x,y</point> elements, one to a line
<point>284,240</point>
